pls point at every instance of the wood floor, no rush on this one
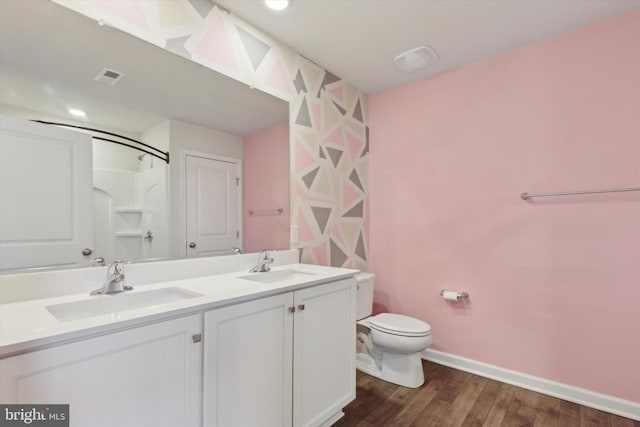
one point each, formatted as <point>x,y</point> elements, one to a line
<point>454,398</point>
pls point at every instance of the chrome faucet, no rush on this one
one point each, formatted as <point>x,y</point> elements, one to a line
<point>115,280</point>
<point>264,260</point>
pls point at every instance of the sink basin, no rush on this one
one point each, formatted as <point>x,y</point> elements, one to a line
<point>112,304</point>
<point>278,276</point>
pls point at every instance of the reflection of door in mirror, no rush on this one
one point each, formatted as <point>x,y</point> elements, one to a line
<point>45,182</point>
<point>212,205</point>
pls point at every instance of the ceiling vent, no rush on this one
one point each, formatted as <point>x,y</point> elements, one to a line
<point>109,76</point>
<point>416,59</point>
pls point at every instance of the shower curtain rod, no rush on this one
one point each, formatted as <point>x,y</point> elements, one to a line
<point>527,196</point>
<point>164,156</point>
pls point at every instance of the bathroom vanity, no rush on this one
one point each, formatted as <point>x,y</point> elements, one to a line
<point>233,349</point>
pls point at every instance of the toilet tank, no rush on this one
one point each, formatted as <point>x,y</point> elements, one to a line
<point>364,294</point>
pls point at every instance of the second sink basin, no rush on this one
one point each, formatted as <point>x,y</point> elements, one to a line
<point>111,304</point>
<point>278,276</point>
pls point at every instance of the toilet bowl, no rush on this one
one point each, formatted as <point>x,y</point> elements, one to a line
<point>388,345</point>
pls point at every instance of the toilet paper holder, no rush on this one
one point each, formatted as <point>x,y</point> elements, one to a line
<point>459,295</point>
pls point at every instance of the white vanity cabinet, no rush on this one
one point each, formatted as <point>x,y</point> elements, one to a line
<point>286,360</point>
<point>147,376</point>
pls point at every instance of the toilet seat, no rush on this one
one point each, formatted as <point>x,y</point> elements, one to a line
<point>397,324</point>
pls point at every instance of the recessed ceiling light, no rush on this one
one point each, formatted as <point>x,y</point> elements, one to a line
<point>76,112</point>
<point>277,4</point>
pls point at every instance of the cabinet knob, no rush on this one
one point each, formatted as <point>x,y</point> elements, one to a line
<point>196,338</point>
<point>87,251</point>
<point>300,307</point>
<point>292,309</point>
<point>192,245</point>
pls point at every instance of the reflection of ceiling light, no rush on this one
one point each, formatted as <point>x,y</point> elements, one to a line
<point>415,59</point>
<point>277,4</point>
<point>76,112</point>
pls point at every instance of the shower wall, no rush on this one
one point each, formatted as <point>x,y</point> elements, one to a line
<point>131,213</point>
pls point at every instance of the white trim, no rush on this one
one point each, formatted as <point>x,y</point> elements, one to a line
<point>603,402</point>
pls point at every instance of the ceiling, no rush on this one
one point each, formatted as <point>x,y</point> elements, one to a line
<point>358,39</point>
<point>50,55</point>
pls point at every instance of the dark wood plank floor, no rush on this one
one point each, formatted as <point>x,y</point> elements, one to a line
<point>454,398</point>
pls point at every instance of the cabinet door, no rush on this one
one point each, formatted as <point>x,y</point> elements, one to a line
<point>324,352</point>
<point>148,376</point>
<point>247,369</point>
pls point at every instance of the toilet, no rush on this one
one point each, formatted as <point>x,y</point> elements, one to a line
<point>388,345</point>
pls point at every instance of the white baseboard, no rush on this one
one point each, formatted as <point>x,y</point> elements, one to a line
<point>603,402</point>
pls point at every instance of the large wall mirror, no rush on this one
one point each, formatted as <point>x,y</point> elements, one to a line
<point>224,139</point>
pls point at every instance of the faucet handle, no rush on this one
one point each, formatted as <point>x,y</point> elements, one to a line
<point>116,267</point>
<point>98,262</point>
<point>265,253</point>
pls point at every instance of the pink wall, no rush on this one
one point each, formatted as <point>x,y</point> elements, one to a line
<point>265,185</point>
<point>554,283</point>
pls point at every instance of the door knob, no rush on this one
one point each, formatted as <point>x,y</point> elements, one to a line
<point>192,245</point>
<point>87,251</point>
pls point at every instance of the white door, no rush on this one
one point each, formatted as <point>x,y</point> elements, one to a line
<point>324,355</point>
<point>212,204</point>
<point>247,369</point>
<point>145,377</point>
<point>46,196</point>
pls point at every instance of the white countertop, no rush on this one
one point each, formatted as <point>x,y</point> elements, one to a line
<point>28,325</point>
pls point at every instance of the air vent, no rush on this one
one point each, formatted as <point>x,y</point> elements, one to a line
<point>109,76</point>
<point>415,59</point>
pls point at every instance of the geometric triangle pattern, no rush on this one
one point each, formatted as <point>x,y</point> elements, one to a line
<point>256,49</point>
<point>303,118</point>
<point>322,217</point>
<point>335,155</point>
<point>366,145</point>
<point>338,257</point>
<point>357,112</point>
<point>328,79</point>
<point>310,177</point>
<point>342,110</point>
<point>360,248</point>
<point>329,116</point>
<point>298,82</point>
<point>177,46</point>
<point>356,180</point>
<point>203,7</point>
<point>355,211</point>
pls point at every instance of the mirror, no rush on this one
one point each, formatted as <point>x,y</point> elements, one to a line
<point>53,60</point>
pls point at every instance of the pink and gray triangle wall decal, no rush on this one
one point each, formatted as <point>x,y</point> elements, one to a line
<point>256,49</point>
<point>203,7</point>
<point>338,256</point>
<point>322,217</point>
<point>298,82</point>
<point>303,118</point>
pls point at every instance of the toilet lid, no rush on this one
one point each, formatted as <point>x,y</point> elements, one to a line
<point>399,325</point>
